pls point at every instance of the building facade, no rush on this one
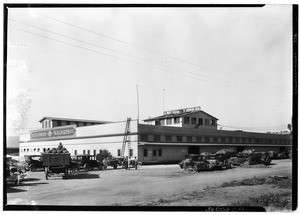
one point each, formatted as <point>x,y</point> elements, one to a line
<point>164,139</point>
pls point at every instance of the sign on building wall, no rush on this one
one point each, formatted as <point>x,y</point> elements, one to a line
<point>53,133</point>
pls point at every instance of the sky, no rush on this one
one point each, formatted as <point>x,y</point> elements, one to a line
<point>97,63</point>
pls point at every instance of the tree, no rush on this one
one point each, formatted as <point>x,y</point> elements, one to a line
<point>17,110</point>
<point>104,154</point>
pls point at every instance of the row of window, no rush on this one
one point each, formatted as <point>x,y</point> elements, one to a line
<point>155,152</point>
<point>88,152</point>
<point>187,120</point>
<point>47,123</point>
<point>209,139</point>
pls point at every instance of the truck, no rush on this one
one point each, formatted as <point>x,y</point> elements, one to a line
<point>56,164</point>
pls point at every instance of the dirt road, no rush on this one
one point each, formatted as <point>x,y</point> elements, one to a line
<point>128,187</point>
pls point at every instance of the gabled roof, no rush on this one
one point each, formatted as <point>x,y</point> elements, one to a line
<point>73,120</point>
<point>177,115</point>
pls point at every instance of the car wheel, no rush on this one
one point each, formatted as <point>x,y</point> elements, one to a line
<point>32,168</point>
<point>86,167</point>
<point>100,167</point>
<point>91,168</point>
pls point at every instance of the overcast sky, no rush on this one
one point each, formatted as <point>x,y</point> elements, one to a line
<point>236,63</point>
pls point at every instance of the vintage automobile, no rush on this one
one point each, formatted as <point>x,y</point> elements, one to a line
<point>15,172</point>
<point>33,162</point>
<point>110,161</point>
<point>86,162</point>
<point>201,162</point>
<point>251,158</point>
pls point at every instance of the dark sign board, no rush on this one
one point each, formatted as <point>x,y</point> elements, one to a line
<point>59,132</point>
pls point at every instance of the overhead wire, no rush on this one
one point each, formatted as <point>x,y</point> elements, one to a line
<point>155,52</point>
<point>220,82</point>
<point>127,54</point>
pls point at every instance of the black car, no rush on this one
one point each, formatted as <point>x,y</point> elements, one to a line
<point>33,162</point>
<point>86,162</point>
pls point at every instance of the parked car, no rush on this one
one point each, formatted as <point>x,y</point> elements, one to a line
<point>33,162</point>
<point>15,172</point>
<point>200,162</point>
<point>86,162</point>
<point>251,158</point>
<point>110,161</point>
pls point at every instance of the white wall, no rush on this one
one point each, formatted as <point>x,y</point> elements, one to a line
<point>110,142</point>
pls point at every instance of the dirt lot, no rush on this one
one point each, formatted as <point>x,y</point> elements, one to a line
<point>158,185</point>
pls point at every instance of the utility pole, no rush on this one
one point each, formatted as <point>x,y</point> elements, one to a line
<point>138,106</point>
<point>163,101</point>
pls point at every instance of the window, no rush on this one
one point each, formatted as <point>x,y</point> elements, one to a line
<point>75,152</point>
<point>194,120</point>
<point>169,121</point>
<point>94,152</point>
<point>144,137</point>
<point>34,149</point>
<point>179,138</point>
<point>223,140</point>
<point>198,139</point>
<point>162,122</point>
<point>159,152</point>
<point>186,120</point>
<point>206,121</point>
<point>119,152</point>
<point>58,123</point>
<point>83,151</point>
<point>189,139</point>
<point>200,121</point>
<point>130,152</point>
<point>42,124</point>
<point>85,124</point>
<point>38,149</point>
<point>154,152</point>
<point>168,138</point>
<point>145,152</point>
<point>176,120</point>
<point>207,139</point>
<point>44,149</point>
<point>157,122</point>
<point>88,151</point>
<point>230,139</point>
<point>215,139</point>
<point>67,122</point>
<point>212,122</point>
<point>156,138</point>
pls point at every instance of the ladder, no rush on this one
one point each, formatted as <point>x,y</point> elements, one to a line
<point>126,138</point>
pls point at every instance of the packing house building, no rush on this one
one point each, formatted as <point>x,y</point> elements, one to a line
<point>164,139</point>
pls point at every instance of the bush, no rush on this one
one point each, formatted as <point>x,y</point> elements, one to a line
<point>103,154</point>
<point>266,200</point>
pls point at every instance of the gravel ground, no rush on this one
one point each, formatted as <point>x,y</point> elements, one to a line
<point>143,186</point>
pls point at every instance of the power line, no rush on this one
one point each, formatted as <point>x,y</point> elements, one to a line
<point>152,51</point>
<point>235,86</point>
<point>122,52</point>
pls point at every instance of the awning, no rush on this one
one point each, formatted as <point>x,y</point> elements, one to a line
<point>208,144</point>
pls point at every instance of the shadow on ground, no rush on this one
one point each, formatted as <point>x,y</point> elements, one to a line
<point>14,190</point>
<point>83,176</point>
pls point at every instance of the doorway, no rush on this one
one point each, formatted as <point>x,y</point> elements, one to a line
<point>193,150</point>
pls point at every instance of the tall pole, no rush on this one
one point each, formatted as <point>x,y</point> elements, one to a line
<point>163,101</point>
<point>138,108</point>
